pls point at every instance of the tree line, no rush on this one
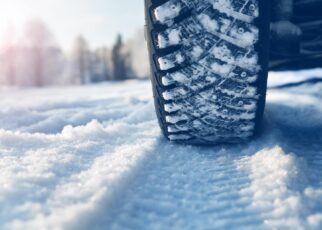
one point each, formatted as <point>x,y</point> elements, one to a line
<point>37,59</point>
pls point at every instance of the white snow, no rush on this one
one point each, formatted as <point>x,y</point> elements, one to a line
<point>245,38</point>
<point>280,78</point>
<point>175,78</point>
<point>197,52</point>
<point>165,63</point>
<point>174,36</point>
<point>171,107</point>
<point>169,95</point>
<point>223,53</point>
<point>170,37</point>
<point>170,61</point>
<point>162,42</point>
<point>179,58</point>
<point>211,25</point>
<point>222,69</point>
<point>226,6</point>
<point>167,11</point>
<point>94,158</point>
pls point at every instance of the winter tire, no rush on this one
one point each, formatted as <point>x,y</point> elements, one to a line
<point>209,63</point>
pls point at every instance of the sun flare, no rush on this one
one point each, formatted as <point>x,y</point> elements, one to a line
<point>12,15</point>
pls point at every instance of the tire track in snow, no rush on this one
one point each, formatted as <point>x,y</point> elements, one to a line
<point>275,190</point>
<point>286,188</point>
<point>184,187</point>
<point>194,188</point>
<point>51,179</point>
<point>81,197</point>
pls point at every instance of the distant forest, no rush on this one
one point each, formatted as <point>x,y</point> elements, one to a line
<point>35,59</point>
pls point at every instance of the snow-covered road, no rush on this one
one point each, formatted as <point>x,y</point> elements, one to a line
<point>93,158</point>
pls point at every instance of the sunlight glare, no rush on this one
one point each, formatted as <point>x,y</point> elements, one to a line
<point>12,16</point>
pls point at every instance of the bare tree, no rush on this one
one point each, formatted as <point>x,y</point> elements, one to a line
<point>38,39</point>
<point>118,60</point>
<point>10,55</point>
<point>102,55</point>
<point>138,58</point>
<point>82,59</point>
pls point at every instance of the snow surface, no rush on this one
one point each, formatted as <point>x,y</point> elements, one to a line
<point>94,158</point>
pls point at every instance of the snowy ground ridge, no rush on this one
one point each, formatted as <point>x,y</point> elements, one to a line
<point>279,189</point>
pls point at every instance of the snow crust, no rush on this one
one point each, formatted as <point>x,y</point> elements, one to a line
<point>93,158</point>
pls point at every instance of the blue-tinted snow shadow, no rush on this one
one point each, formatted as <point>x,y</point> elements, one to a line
<point>177,183</point>
<point>298,123</point>
<point>298,130</point>
<point>298,126</point>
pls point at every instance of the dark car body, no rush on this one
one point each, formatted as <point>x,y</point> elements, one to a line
<point>297,51</point>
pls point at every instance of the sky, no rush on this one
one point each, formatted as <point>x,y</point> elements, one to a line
<point>98,20</point>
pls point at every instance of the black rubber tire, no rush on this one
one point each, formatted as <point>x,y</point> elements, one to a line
<point>209,61</point>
